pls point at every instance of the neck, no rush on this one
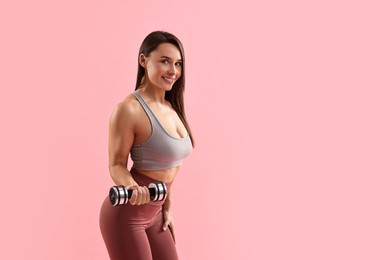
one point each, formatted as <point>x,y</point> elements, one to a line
<point>152,93</point>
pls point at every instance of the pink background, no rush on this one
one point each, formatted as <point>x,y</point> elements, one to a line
<point>288,101</point>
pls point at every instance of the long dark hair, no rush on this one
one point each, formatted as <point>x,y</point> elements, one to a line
<point>175,95</point>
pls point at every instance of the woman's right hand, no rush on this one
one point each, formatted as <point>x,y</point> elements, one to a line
<point>140,194</point>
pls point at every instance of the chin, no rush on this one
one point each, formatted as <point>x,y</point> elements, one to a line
<point>166,87</point>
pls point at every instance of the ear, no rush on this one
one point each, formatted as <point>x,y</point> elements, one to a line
<point>142,60</point>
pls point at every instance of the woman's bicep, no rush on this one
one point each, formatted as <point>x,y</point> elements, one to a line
<point>121,135</point>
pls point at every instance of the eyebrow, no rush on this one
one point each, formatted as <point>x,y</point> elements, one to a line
<point>166,57</point>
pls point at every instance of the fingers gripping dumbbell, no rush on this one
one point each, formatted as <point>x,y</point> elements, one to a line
<point>119,195</point>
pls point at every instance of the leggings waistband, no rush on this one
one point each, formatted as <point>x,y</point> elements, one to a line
<point>143,177</point>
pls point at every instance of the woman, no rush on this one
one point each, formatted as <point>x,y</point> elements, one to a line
<point>150,124</point>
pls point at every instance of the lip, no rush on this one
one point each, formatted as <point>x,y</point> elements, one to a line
<point>168,79</point>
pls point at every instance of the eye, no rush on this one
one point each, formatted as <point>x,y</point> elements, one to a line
<point>179,64</point>
<point>164,62</point>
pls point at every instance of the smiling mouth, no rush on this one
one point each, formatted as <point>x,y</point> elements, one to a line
<point>170,80</point>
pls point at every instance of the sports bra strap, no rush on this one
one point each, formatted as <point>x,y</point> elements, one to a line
<point>147,109</point>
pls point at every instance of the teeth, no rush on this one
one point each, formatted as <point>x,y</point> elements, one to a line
<point>168,79</point>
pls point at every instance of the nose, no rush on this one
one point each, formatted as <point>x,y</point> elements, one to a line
<point>172,70</point>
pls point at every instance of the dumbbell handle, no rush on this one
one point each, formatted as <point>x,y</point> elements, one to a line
<point>119,195</point>
<point>152,192</point>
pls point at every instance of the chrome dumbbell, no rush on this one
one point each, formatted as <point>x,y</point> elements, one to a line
<point>119,195</point>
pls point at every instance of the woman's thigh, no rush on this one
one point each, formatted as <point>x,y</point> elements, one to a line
<point>124,237</point>
<point>161,242</point>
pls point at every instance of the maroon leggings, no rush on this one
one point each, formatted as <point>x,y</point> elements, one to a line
<point>135,232</point>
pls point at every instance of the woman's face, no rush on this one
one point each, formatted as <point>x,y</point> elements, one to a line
<point>163,66</point>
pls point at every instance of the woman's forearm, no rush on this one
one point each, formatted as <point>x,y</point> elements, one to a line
<point>167,203</point>
<point>121,176</point>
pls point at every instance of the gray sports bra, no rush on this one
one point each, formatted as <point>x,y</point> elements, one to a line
<point>161,150</point>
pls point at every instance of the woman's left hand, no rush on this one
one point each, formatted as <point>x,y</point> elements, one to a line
<point>168,222</point>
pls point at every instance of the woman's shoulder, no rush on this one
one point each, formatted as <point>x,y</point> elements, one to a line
<point>126,108</point>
